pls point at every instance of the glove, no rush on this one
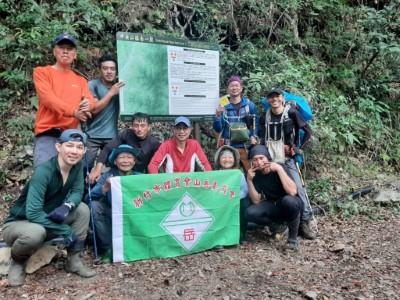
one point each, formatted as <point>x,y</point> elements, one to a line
<point>60,213</point>
<point>70,240</point>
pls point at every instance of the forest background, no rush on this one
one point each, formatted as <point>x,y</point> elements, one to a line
<point>343,56</point>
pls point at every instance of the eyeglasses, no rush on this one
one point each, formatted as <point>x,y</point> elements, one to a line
<point>181,128</point>
<point>234,85</point>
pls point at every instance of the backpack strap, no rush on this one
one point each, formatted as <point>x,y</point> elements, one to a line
<point>285,114</point>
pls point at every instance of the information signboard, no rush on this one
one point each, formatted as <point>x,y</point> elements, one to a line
<point>166,77</point>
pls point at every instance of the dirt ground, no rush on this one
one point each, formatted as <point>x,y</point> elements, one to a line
<point>355,258</point>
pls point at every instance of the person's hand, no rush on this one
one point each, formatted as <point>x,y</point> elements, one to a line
<point>290,151</point>
<point>114,90</point>
<point>253,140</point>
<point>107,185</point>
<point>60,213</point>
<point>94,176</point>
<point>82,116</point>
<point>274,167</point>
<point>84,106</point>
<point>220,110</point>
<point>251,173</point>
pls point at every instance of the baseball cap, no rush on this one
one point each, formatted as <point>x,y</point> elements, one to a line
<point>121,149</point>
<point>275,91</point>
<point>65,36</point>
<point>182,119</point>
<point>72,135</point>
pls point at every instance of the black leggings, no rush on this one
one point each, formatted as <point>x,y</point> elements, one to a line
<point>267,212</point>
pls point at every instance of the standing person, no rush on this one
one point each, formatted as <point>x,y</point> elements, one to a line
<point>138,136</point>
<point>228,158</point>
<point>122,160</point>
<point>50,206</point>
<point>64,99</point>
<point>280,133</point>
<point>281,204</point>
<point>180,154</point>
<point>239,109</point>
<point>104,124</point>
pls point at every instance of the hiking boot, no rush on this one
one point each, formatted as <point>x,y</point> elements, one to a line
<point>16,273</point>
<point>243,239</point>
<point>75,265</point>
<point>107,257</point>
<point>305,231</point>
<point>218,248</point>
<point>291,246</point>
<point>278,230</point>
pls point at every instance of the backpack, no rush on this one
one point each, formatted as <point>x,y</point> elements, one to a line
<point>239,132</point>
<point>276,148</point>
<point>300,104</point>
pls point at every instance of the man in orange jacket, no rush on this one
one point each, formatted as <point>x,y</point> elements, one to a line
<point>64,99</point>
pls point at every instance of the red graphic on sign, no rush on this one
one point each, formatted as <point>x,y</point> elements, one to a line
<point>197,183</point>
<point>147,195</point>
<point>157,188</point>
<point>215,186</point>
<point>187,181</point>
<point>224,189</point>
<point>188,234</point>
<point>177,182</point>
<point>206,184</point>
<point>167,185</point>
<point>138,202</point>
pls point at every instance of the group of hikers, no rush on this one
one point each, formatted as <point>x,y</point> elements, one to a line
<point>77,117</point>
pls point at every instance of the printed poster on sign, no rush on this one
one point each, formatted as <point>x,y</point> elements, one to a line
<point>166,77</point>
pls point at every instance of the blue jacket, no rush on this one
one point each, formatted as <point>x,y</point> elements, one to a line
<point>230,115</point>
<point>97,193</point>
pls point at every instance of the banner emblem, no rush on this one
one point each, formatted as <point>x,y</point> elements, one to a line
<point>187,222</point>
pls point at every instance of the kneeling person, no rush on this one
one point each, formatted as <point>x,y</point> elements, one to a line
<point>122,161</point>
<point>281,203</point>
<point>50,206</point>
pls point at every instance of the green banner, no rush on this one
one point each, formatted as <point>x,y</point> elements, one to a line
<point>167,215</point>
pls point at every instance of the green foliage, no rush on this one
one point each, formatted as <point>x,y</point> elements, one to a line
<point>341,56</point>
<point>3,177</point>
<point>319,190</point>
<point>349,207</point>
<point>22,128</point>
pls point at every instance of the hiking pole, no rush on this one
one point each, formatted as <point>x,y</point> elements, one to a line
<point>91,207</point>
<point>305,192</point>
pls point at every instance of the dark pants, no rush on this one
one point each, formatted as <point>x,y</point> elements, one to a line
<point>245,203</point>
<point>102,224</point>
<point>287,209</point>
<point>93,146</point>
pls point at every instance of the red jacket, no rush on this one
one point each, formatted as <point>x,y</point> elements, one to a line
<point>176,162</point>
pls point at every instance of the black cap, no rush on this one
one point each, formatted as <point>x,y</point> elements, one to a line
<point>66,37</point>
<point>275,91</point>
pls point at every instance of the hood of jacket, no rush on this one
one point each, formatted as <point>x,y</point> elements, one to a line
<point>236,155</point>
